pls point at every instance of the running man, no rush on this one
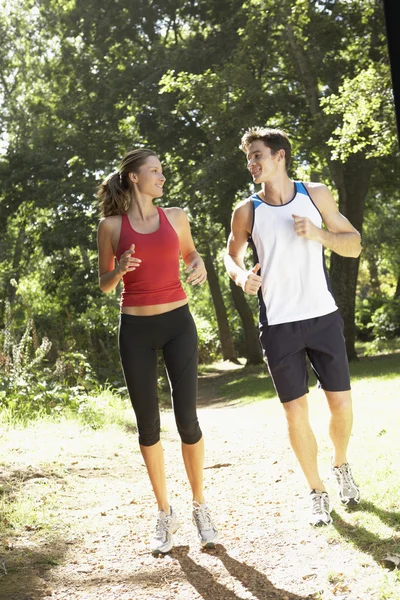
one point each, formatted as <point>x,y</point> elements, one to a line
<point>298,314</point>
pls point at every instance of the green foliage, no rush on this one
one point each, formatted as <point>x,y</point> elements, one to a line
<point>386,320</point>
<point>103,408</point>
<point>29,387</point>
<point>82,83</point>
<point>378,323</point>
<point>364,105</point>
<point>365,310</point>
<point>19,362</point>
<point>209,344</point>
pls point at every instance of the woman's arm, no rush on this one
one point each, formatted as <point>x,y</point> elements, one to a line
<point>191,258</point>
<point>110,274</point>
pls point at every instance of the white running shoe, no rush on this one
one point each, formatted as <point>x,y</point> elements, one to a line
<point>206,530</point>
<point>320,509</point>
<point>349,492</point>
<point>167,525</point>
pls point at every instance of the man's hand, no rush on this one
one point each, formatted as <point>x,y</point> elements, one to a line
<point>249,281</point>
<point>303,227</point>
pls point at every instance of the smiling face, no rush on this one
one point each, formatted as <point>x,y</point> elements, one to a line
<point>262,163</point>
<point>149,178</point>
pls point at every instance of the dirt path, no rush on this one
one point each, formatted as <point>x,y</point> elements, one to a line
<point>95,488</point>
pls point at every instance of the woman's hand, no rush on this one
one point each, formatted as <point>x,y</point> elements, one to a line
<point>128,262</point>
<point>197,270</point>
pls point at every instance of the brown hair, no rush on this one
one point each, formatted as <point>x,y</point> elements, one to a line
<point>275,139</point>
<point>114,193</point>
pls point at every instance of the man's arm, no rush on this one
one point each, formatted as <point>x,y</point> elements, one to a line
<point>248,280</point>
<point>340,236</point>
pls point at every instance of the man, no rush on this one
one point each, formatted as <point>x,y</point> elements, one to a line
<point>298,314</point>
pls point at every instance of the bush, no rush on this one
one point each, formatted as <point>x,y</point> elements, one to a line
<point>209,344</point>
<point>28,386</point>
<point>363,316</point>
<point>385,321</point>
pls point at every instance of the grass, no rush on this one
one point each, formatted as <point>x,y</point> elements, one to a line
<point>29,496</point>
<point>250,384</point>
<point>102,409</point>
<point>373,530</point>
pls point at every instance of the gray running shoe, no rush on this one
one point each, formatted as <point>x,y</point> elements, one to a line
<point>320,509</point>
<point>162,541</point>
<point>207,531</point>
<point>348,491</point>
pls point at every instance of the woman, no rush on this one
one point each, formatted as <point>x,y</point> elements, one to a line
<point>147,242</point>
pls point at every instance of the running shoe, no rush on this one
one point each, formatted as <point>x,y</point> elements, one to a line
<point>206,530</point>
<point>320,508</point>
<point>349,493</point>
<point>167,525</point>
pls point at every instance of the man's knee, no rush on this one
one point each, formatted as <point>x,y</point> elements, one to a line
<point>296,411</point>
<point>339,401</point>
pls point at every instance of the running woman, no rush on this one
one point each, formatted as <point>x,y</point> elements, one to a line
<point>298,314</point>
<point>147,242</point>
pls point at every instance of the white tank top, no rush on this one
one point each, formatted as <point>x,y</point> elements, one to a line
<point>295,284</point>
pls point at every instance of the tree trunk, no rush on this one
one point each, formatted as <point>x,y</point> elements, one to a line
<point>225,337</point>
<point>373,273</point>
<point>352,181</point>
<point>251,339</point>
<point>343,274</point>
<point>397,292</point>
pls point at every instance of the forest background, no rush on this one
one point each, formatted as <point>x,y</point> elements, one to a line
<point>82,82</point>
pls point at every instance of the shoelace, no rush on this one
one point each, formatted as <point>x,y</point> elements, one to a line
<point>202,517</point>
<point>162,526</point>
<point>320,502</point>
<point>346,475</point>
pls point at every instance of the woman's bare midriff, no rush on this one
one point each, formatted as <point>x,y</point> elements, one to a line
<point>154,309</point>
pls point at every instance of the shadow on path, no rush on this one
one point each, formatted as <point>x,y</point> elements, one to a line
<point>209,589</point>
<point>26,553</point>
<point>365,540</point>
<point>26,574</point>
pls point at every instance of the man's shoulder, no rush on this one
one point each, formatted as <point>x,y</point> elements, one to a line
<point>322,197</point>
<point>314,187</point>
<point>244,205</point>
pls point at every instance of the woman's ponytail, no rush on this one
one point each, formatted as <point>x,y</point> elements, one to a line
<point>114,193</point>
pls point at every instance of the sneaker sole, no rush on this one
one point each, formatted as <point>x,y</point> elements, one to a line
<point>352,503</point>
<point>158,551</point>
<point>322,523</point>
<point>209,544</point>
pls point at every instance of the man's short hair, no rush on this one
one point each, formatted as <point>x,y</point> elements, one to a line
<point>275,139</point>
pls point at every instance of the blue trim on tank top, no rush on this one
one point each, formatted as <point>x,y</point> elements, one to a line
<point>257,200</point>
<point>301,188</point>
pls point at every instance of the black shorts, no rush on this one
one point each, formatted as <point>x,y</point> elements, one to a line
<point>287,345</point>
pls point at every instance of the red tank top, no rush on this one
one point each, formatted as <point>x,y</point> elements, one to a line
<point>157,280</point>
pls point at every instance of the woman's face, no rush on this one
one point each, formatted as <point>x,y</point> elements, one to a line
<point>149,178</point>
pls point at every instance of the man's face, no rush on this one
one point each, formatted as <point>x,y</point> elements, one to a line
<point>261,163</point>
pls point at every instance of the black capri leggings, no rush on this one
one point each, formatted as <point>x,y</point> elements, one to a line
<point>174,333</point>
